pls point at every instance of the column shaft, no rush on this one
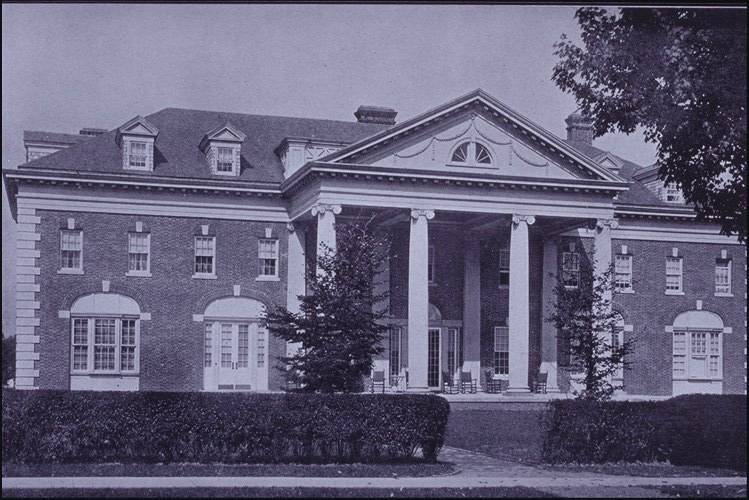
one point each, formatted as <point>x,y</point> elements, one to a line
<point>296,278</point>
<point>519,318</point>
<point>418,299</point>
<point>549,362</point>
<point>472,307</point>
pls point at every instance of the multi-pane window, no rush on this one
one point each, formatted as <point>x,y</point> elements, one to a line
<point>80,344</point>
<point>396,333</point>
<point>205,254</point>
<point>672,193</point>
<point>430,264</point>
<point>617,340</point>
<point>260,348</point>
<point>501,350</point>
<point>723,276</point>
<point>138,250</point>
<point>623,273</point>
<point>208,346</point>
<point>71,249</point>
<point>226,345</point>
<point>504,267</point>
<point>697,354</point>
<point>268,255</point>
<point>673,274</point>
<point>224,159</point>
<point>137,157</point>
<point>571,269</point>
<point>243,346</point>
<point>454,350</point>
<point>472,152</point>
<point>106,345</point>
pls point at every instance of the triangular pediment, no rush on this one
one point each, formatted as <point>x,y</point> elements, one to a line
<point>139,126</point>
<point>476,134</point>
<point>223,133</point>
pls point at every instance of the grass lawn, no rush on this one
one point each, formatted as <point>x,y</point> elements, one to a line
<point>704,491</point>
<point>647,470</point>
<point>515,492</point>
<point>297,470</point>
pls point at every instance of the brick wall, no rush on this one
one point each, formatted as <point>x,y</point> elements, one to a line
<point>171,342</point>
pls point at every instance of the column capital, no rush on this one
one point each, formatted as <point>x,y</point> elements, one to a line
<point>528,219</point>
<point>420,212</point>
<point>602,224</point>
<point>290,227</point>
<point>321,208</point>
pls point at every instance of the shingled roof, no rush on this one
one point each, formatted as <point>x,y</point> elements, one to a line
<point>53,137</point>
<point>177,152</point>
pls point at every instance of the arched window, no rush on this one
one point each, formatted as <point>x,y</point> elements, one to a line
<point>472,153</point>
<point>697,346</point>
<point>105,334</point>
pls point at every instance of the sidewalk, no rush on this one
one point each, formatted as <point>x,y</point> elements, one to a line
<point>473,470</point>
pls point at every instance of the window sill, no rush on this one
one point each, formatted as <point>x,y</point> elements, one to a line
<point>432,283</point>
<point>200,276</point>
<point>668,292</point>
<point>268,278</point>
<point>721,294</point>
<point>104,374</point>
<point>138,274</point>
<point>70,271</point>
<point>628,290</point>
<point>695,379</point>
<point>503,287</point>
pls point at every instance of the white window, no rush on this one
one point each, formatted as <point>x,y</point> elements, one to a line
<point>430,265</point>
<point>260,348</point>
<point>454,350</point>
<point>471,153</point>
<point>205,255</point>
<point>504,267</point>
<point>697,354</point>
<point>224,159</point>
<point>396,337</point>
<point>672,193</point>
<point>617,340</point>
<point>674,267</point>
<point>138,155</point>
<point>208,346</point>
<point>501,350</point>
<point>570,269</point>
<point>723,277</point>
<point>268,255</point>
<point>105,345</point>
<point>623,273</point>
<point>71,250</point>
<point>138,253</point>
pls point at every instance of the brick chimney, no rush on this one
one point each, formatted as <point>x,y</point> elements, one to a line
<point>92,131</point>
<point>579,128</point>
<point>375,114</point>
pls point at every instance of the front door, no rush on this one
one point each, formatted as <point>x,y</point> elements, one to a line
<point>434,361</point>
<point>228,356</point>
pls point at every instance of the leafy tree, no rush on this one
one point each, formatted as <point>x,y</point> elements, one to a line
<point>586,321</point>
<point>339,323</point>
<point>9,358</point>
<point>681,75</point>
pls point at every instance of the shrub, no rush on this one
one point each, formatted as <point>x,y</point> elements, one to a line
<point>150,427</point>
<point>706,430</point>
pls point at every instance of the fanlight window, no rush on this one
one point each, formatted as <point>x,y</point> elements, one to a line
<point>472,153</point>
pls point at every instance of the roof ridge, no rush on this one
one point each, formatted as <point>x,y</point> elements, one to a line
<point>234,113</point>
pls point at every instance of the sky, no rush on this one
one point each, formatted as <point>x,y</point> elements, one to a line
<point>66,66</point>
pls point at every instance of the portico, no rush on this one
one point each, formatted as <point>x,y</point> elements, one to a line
<point>468,192</point>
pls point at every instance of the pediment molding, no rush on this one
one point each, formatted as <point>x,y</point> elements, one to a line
<point>223,133</point>
<point>138,126</point>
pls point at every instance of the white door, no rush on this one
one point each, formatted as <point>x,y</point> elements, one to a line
<point>698,351</point>
<point>229,356</point>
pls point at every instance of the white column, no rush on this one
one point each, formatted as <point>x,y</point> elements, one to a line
<point>325,226</point>
<point>418,298</point>
<point>519,318</point>
<point>472,307</point>
<point>602,257</point>
<point>549,360</point>
<point>295,284</point>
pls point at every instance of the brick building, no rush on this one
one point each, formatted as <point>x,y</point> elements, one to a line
<point>147,254</point>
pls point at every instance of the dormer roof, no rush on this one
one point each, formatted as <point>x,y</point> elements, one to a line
<point>138,126</point>
<point>225,133</point>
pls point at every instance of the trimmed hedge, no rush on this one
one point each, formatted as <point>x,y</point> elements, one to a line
<point>699,429</point>
<point>159,427</point>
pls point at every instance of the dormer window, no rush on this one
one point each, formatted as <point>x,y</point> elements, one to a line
<point>138,155</point>
<point>137,138</point>
<point>223,146</point>
<point>672,193</point>
<point>472,153</point>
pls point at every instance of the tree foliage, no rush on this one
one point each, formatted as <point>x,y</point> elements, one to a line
<point>586,321</point>
<point>339,323</point>
<point>680,74</point>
